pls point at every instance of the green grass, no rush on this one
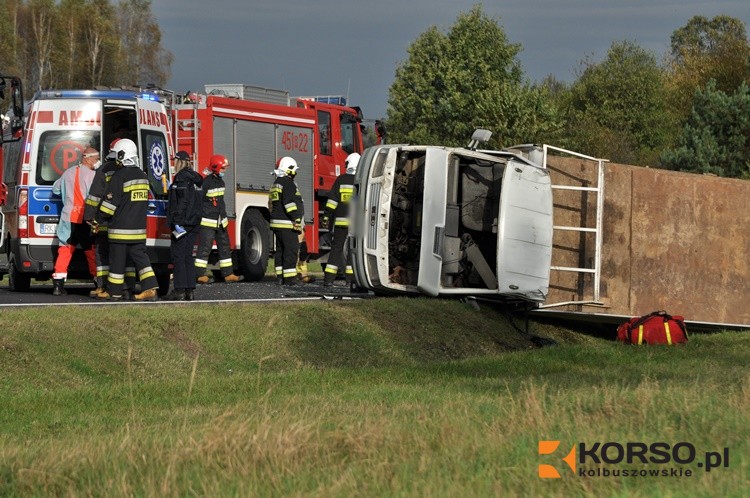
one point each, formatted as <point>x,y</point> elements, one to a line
<point>388,397</point>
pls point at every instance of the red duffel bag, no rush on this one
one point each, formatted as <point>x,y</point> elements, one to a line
<point>655,328</point>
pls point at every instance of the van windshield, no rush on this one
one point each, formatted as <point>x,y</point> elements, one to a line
<point>60,150</point>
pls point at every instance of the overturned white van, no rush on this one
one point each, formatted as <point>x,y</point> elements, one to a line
<point>452,221</point>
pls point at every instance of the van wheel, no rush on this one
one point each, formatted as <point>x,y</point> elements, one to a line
<point>17,281</point>
<point>255,240</point>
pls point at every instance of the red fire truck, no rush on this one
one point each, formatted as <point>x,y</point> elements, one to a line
<point>253,127</point>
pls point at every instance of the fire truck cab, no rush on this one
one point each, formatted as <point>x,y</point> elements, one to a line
<point>59,125</point>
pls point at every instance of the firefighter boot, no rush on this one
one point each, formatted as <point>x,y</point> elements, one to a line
<point>232,278</point>
<point>105,296</point>
<point>147,295</point>
<point>203,279</point>
<point>58,288</point>
<point>99,282</point>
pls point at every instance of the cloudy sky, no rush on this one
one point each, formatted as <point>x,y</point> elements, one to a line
<point>332,47</point>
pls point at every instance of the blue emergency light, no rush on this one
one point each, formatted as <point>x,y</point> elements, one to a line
<point>96,94</point>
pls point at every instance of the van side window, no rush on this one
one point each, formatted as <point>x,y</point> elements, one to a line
<point>59,150</point>
<point>155,161</point>
<point>324,127</point>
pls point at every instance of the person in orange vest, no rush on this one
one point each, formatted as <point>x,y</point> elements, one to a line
<point>73,186</point>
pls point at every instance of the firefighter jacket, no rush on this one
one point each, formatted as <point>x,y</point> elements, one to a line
<point>214,208</point>
<point>338,199</point>
<point>185,197</point>
<point>125,206</point>
<point>66,187</point>
<point>287,208</point>
<point>96,193</point>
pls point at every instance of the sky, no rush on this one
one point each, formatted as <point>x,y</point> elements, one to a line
<point>352,48</point>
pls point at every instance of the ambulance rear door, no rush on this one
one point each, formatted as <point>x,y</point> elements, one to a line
<point>60,131</point>
<point>154,144</point>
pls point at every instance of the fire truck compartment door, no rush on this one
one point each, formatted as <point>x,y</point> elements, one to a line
<point>433,220</point>
<point>524,232</point>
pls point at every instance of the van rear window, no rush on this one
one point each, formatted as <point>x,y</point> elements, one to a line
<point>59,150</point>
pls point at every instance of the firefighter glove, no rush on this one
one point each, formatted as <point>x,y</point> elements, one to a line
<point>297,225</point>
<point>325,221</point>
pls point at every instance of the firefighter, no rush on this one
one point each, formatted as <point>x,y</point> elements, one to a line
<point>302,268</point>
<point>125,208</point>
<point>287,213</point>
<point>184,216</point>
<point>214,222</point>
<point>337,209</point>
<point>93,217</point>
<point>73,186</point>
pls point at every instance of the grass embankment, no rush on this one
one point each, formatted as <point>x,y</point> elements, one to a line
<point>389,397</point>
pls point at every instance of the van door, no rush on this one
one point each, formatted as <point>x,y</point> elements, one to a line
<point>156,152</point>
<point>524,234</point>
<point>433,220</point>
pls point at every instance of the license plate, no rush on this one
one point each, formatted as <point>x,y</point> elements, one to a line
<point>47,228</point>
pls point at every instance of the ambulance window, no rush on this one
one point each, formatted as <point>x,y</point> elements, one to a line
<point>59,150</point>
<point>155,161</point>
<point>324,132</point>
<point>349,137</point>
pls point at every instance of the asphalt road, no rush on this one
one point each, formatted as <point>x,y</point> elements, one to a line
<point>267,290</point>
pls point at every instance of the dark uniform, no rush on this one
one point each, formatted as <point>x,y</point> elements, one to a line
<point>124,207</point>
<point>91,213</point>
<point>287,212</point>
<point>213,226</point>
<point>185,197</point>
<point>337,210</point>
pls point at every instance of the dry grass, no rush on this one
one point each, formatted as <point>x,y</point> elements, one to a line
<point>261,410</point>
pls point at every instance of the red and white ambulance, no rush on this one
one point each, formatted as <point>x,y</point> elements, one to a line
<point>59,125</point>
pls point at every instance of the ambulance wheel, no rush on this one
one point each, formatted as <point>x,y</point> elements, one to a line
<point>17,281</point>
<point>256,242</point>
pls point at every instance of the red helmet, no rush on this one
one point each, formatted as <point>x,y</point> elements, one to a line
<point>217,163</point>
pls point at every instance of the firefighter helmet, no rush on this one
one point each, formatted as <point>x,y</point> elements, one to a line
<point>288,165</point>
<point>217,163</point>
<point>112,154</point>
<point>126,152</point>
<point>352,160</point>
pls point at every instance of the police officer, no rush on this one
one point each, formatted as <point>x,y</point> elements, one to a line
<point>337,210</point>
<point>214,222</point>
<point>125,208</point>
<point>287,213</point>
<point>184,216</point>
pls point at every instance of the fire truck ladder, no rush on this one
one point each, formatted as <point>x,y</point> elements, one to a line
<point>597,190</point>
<point>185,128</point>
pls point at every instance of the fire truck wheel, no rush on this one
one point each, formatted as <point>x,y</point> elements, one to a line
<point>256,239</point>
<point>17,281</point>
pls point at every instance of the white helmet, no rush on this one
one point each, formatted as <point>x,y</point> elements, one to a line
<point>352,160</point>
<point>288,165</point>
<point>126,152</point>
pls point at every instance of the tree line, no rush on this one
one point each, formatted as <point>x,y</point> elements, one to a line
<point>688,110</point>
<point>82,43</point>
